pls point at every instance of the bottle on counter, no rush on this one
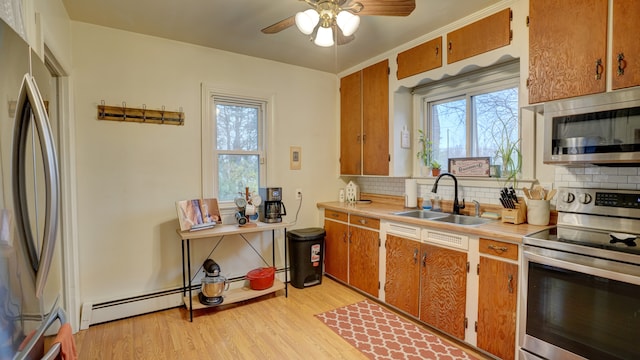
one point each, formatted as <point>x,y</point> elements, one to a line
<point>435,203</point>
<point>426,203</point>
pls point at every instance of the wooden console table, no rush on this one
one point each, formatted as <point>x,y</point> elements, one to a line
<point>191,301</point>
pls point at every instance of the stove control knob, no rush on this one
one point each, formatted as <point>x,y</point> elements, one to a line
<point>585,198</point>
<point>568,197</point>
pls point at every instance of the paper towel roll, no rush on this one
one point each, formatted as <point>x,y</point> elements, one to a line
<point>410,193</point>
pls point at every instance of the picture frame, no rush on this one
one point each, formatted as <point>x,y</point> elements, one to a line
<point>470,166</point>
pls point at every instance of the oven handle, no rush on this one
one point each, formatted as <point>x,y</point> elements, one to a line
<point>608,269</point>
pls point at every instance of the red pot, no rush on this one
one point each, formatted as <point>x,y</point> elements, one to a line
<point>261,278</point>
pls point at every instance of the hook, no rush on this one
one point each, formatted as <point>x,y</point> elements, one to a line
<point>144,112</point>
<point>180,119</point>
<point>124,111</point>
<point>102,110</point>
<point>162,114</point>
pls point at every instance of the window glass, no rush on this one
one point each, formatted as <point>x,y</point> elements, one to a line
<point>475,122</point>
<point>238,146</point>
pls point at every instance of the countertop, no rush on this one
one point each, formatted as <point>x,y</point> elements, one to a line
<point>384,210</point>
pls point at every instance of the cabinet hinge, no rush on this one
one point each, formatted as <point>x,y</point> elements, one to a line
<point>388,70</point>
<point>527,21</point>
<point>528,82</point>
<point>478,269</point>
<point>468,267</point>
<point>510,15</point>
<point>379,242</point>
<point>378,285</point>
<point>389,157</point>
<point>510,35</point>
<point>476,327</point>
<point>466,323</point>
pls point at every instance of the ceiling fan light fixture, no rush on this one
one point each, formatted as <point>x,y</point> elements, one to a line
<point>307,20</point>
<point>348,22</point>
<point>324,37</point>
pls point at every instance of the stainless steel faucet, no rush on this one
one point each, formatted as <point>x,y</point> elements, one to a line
<point>456,206</point>
<point>477,208</point>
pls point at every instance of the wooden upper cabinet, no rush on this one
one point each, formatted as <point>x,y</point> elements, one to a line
<point>484,35</point>
<point>424,57</point>
<point>567,48</point>
<point>364,121</point>
<point>625,54</point>
<point>350,123</point>
<point>375,119</point>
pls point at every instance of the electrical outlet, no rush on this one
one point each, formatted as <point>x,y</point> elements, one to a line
<point>298,194</point>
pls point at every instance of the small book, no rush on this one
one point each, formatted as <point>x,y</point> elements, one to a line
<point>198,214</point>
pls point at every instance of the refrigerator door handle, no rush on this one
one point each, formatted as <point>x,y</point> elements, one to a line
<point>30,103</point>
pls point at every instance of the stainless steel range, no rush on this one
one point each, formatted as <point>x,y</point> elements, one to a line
<point>581,293</point>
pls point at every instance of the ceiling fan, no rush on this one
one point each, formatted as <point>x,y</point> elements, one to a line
<point>340,16</point>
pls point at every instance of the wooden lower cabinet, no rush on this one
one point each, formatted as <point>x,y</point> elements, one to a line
<point>351,253</point>
<point>497,306</point>
<point>402,284</point>
<point>336,250</point>
<point>443,289</point>
<point>364,249</point>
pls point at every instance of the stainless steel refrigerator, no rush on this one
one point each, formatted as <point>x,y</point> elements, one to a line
<point>29,203</point>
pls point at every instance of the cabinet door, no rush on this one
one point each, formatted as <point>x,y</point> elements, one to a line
<point>443,289</point>
<point>350,123</point>
<point>402,274</point>
<point>424,57</point>
<point>626,70</point>
<point>363,260</point>
<point>479,37</point>
<point>567,48</point>
<point>336,250</point>
<point>375,119</point>
<point>498,285</point>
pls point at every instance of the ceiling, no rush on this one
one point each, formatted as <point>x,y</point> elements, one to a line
<point>234,25</point>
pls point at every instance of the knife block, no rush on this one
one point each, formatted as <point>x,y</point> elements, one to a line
<point>516,216</point>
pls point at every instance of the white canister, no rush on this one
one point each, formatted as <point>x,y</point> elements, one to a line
<point>538,212</point>
<point>411,193</point>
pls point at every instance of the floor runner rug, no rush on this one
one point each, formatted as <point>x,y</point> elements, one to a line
<point>380,334</point>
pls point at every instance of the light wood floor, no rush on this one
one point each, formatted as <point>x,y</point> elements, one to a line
<point>271,327</point>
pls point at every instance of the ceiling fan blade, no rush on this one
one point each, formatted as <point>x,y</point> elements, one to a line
<point>387,7</point>
<point>341,39</point>
<point>280,25</point>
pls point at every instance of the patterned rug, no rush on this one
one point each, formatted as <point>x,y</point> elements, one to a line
<point>381,334</point>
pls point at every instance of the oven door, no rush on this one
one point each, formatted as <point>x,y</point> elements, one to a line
<point>577,307</point>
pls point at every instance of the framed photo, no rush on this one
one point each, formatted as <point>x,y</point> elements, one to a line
<point>475,166</point>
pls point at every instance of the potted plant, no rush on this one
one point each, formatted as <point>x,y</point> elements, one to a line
<point>435,167</point>
<point>508,152</point>
<point>426,151</point>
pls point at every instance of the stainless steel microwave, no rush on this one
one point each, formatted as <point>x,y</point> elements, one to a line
<point>602,129</point>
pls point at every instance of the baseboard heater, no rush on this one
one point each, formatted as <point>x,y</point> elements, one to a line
<point>99,313</point>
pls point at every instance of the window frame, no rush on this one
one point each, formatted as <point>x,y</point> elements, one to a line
<point>467,85</point>
<point>209,149</point>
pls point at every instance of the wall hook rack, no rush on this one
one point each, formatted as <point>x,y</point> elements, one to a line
<point>141,115</point>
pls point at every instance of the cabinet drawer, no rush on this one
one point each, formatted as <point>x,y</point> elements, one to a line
<point>336,215</point>
<point>365,221</point>
<point>499,248</point>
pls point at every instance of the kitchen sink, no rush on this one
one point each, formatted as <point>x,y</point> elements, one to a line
<point>463,220</point>
<point>444,217</point>
<point>422,214</point>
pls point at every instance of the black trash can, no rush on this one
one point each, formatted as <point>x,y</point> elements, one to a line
<point>306,254</point>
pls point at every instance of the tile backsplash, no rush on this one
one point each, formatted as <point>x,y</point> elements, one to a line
<point>583,176</point>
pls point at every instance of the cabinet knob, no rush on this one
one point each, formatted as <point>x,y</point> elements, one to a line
<point>363,221</point>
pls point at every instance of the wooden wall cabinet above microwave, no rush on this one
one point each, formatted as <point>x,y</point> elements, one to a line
<point>484,35</point>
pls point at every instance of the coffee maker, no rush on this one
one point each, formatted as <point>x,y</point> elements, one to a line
<point>272,208</point>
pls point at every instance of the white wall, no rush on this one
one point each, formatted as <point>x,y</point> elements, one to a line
<point>130,174</point>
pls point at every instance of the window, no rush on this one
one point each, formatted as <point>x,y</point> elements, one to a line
<point>233,144</point>
<point>467,117</point>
